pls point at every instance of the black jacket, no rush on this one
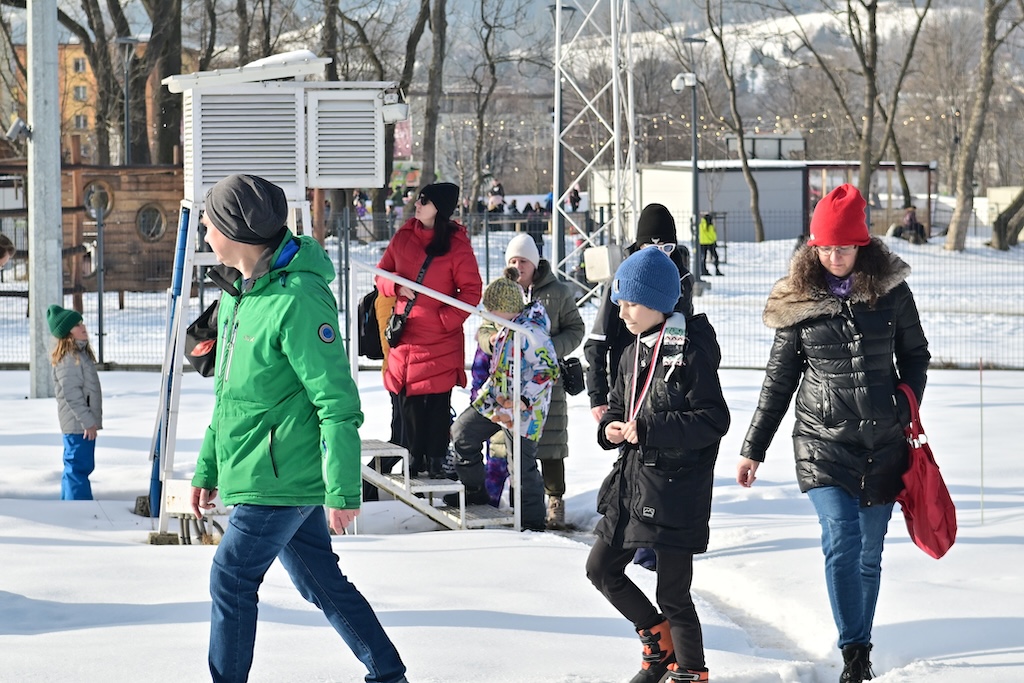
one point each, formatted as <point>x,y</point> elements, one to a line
<point>658,494</point>
<point>609,336</point>
<point>843,359</point>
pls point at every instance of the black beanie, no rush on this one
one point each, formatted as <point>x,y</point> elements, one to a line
<point>444,197</point>
<point>655,225</point>
<point>247,209</point>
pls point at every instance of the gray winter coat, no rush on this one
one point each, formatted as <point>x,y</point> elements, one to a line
<point>567,330</point>
<point>843,360</point>
<point>79,398</point>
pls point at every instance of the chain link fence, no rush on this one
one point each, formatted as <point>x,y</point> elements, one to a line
<point>970,302</point>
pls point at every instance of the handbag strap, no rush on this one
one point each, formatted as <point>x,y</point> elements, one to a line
<point>419,281</point>
<point>914,431</point>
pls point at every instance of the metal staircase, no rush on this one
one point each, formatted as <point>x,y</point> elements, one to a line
<point>425,495</point>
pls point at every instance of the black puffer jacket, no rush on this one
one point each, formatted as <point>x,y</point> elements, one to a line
<point>841,353</point>
<point>609,336</point>
<point>658,495</point>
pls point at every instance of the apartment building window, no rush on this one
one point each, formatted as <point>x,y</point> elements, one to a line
<point>81,121</point>
<point>81,93</point>
<point>79,65</point>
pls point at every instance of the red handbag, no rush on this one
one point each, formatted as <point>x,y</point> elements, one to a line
<point>927,507</point>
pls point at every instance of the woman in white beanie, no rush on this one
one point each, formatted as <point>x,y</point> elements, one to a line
<point>567,329</point>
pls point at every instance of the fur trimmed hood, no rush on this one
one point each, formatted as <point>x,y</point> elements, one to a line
<point>804,293</point>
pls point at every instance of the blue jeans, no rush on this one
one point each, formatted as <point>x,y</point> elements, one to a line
<point>298,536</point>
<point>851,538</point>
<point>79,462</point>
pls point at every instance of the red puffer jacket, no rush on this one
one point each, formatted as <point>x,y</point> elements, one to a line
<point>431,358</point>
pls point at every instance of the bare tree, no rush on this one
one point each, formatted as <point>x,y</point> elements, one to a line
<point>435,84</point>
<point>366,55</point>
<point>995,31</point>
<point>856,22</point>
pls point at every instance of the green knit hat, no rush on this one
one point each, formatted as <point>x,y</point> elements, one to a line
<point>61,320</point>
<point>504,294</point>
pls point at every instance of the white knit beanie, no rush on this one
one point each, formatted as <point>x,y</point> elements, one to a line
<point>523,246</point>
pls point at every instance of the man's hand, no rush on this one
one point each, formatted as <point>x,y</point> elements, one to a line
<point>202,499</point>
<point>90,434</point>
<point>338,520</point>
<point>598,412</point>
<point>745,472</point>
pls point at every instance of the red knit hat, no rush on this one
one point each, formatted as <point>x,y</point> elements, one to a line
<point>839,219</point>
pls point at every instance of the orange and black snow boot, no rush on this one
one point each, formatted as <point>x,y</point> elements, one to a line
<point>658,654</point>
<point>678,674</point>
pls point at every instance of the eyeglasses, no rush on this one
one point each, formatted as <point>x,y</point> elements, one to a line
<point>665,248</point>
<point>423,200</point>
<point>842,251</point>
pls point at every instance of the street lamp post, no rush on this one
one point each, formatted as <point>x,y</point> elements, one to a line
<point>128,44</point>
<point>680,83</point>
<point>558,177</point>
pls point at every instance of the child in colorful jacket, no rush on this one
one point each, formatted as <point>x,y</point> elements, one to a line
<point>492,408</point>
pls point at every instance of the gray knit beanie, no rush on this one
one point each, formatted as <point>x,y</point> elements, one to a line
<point>247,209</point>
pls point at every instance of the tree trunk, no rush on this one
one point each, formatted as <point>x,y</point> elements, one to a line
<point>956,238</point>
<point>435,83</point>
<point>1008,224</point>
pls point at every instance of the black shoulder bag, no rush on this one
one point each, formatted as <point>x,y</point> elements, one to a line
<point>396,323</point>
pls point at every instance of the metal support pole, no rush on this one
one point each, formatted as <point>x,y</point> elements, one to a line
<point>100,331</point>
<point>698,284</point>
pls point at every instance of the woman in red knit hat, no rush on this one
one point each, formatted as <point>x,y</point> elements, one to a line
<point>847,332</point>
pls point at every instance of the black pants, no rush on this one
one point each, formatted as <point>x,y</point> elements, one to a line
<point>705,251</point>
<point>554,476</point>
<point>426,427</point>
<point>606,570</point>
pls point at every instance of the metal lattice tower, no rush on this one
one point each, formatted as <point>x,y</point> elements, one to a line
<point>594,116</point>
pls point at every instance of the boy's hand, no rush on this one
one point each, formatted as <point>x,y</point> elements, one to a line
<point>629,432</point>
<point>613,432</point>
<point>506,402</point>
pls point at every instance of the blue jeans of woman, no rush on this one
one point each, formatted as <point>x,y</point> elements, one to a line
<point>298,536</point>
<point>851,538</point>
<point>79,462</point>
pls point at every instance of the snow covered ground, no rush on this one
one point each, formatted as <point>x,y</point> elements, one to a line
<point>84,598</point>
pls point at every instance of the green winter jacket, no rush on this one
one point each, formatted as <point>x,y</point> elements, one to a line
<point>285,421</point>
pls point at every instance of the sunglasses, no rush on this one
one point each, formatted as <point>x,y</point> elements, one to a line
<point>423,200</point>
<point>665,248</point>
<point>842,251</point>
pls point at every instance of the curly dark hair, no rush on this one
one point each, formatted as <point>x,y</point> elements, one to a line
<point>872,263</point>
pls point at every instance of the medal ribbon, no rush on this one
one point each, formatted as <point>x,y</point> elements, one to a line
<point>638,401</point>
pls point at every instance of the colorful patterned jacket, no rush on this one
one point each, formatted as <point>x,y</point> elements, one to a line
<point>540,370</point>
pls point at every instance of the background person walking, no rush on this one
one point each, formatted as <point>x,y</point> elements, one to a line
<point>707,234</point>
<point>79,400</point>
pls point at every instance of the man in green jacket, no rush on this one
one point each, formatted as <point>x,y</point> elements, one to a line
<point>284,440</point>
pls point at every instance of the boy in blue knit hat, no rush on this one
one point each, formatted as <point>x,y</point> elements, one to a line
<point>666,416</point>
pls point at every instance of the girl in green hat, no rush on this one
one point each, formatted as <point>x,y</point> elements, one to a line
<point>79,400</point>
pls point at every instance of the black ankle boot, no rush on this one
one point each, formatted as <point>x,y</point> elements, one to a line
<point>437,468</point>
<point>856,664</point>
<point>474,496</point>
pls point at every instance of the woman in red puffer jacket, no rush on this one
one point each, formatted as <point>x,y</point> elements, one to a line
<point>430,359</point>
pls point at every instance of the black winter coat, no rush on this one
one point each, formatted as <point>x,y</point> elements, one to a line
<point>609,336</point>
<point>843,359</point>
<point>658,494</point>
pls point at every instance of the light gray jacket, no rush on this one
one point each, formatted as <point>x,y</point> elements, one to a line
<point>79,398</point>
